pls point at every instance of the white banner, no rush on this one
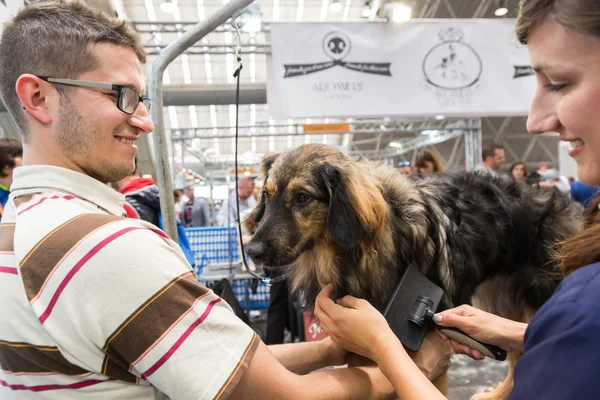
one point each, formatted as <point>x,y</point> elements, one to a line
<point>458,67</point>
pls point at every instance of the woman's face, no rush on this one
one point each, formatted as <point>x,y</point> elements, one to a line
<point>567,97</point>
<point>427,169</point>
<point>518,172</point>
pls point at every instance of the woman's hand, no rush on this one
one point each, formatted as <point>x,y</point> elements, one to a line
<point>333,353</point>
<point>484,327</point>
<point>354,324</point>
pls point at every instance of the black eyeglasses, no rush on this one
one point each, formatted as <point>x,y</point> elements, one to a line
<point>128,98</point>
<point>403,164</point>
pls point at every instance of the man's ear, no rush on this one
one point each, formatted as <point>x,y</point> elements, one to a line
<point>37,97</point>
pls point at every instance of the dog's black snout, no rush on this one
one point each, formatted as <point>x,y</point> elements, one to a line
<point>256,250</point>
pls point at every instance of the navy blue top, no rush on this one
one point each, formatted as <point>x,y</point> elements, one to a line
<point>562,343</point>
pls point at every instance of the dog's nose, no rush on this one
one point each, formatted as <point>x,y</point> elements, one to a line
<point>256,250</point>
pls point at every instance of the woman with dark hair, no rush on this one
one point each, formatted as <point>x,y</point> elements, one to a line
<point>518,171</point>
<point>560,345</point>
<point>429,162</point>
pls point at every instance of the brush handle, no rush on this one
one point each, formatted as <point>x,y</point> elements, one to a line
<point>487,350</point>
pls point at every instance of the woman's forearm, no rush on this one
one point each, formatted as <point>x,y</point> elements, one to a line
<point>407,379</point>
<point>301,358</point>
<point>515,336</point>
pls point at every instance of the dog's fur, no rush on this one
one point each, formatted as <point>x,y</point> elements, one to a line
<point>357,224</point>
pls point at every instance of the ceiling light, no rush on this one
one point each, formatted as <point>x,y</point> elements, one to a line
<point>401,13</point>
<point>335,6</point>
<point>396,145</point>
<point>439,117</point>
<point>502,9</point>
<point>168,7</point>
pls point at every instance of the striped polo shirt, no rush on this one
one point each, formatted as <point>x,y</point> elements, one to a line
<point>97,306</point>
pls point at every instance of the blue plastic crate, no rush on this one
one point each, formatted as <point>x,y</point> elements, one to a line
<point>217,245</point>
<point>213,245</point>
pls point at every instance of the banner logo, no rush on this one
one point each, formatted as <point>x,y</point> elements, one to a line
<point>452,68</point>
<point>337,46</point>
<point>452,64</point>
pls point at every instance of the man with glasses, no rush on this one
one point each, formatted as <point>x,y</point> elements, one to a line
<point>405,169</point>
<point>94,305</point>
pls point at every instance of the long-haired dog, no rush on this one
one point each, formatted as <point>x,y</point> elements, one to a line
<point>324,218</point>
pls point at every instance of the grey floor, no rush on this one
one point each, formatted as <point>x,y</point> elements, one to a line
<point>466,377</point>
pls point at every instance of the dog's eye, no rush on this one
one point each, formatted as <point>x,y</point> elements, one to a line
<point>265,195</point>
<point>303,198</point>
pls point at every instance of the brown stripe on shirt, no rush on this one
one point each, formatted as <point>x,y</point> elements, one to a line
<point>31,359</point>
<point>239,370</point>
<point>152,319</point>
<point>39,263</point>
<point>24,198</point>
<point>116,371</point>
<point>7,236</point>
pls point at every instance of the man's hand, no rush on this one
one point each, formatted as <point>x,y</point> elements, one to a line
<point>433,358</point>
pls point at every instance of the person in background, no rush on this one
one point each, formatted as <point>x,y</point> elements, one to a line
<point>429,163</point>
<point>560,344</point>
<point>142,201</point>
<point>228,211</point>
<point>518,171</point>
<point>177,195</point>
<point>11,157</point>
<point>492,158</point>
<point>196,212</point>
<point>405,169</point>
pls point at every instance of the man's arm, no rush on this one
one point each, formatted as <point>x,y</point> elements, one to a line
<point>302,358</point>
<point>266,378</point>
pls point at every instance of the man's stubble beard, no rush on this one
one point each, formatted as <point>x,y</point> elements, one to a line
<point>80,139</point>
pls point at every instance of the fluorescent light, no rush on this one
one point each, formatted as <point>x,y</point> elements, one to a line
<point>213,116</point>
<point>439,117</point>
<point>325,138</point>
<point>324,8</point>
<point>173,117</point>
<point>271,143</point>
<point>193,117</point>
<point>275,10</point>
<point>300,11</point>
<point>229,67</point>
<point>289,142</point>
<point>187,75</point>
<point>253,144</point>
<point>346,10</point>
<point>150,10</point>
<point>253,67</point>
<point>201,12</point>
<point>396,145</point>
<point>401,13</point>
<point>208,68</point>
<point>166,78</point>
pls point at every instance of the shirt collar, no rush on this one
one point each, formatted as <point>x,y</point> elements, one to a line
<point>46,177</point>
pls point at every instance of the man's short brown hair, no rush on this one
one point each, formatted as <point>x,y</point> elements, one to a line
<point>53,39</point>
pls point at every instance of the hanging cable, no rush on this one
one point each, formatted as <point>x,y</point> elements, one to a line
<point>238,55</point>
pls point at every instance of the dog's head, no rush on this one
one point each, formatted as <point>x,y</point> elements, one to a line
<point>312,195</point>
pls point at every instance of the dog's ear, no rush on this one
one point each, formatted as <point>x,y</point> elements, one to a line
<point>343,222</point>
<point>256,215</point>
<point>357,209</point>
<point>267,163</point>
